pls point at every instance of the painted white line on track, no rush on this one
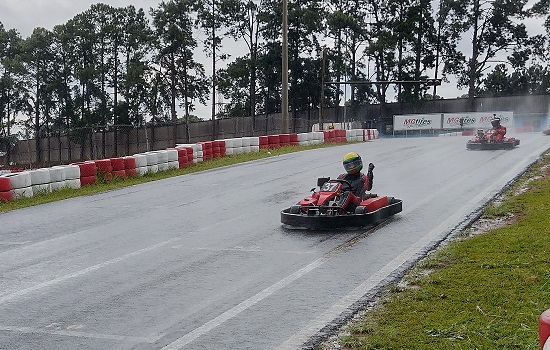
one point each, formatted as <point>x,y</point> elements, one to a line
<point>244,249</point>
<point>208,326</point>
<point>15,295</point>
<point>298,339</point>
<point>78,334</point>
<point>15,243</point>
<point>23,292</point>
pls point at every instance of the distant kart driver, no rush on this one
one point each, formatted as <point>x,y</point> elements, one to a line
<point>499,130</point>
<point>360,183</point>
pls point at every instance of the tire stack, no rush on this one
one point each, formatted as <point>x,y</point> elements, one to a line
<point>162,160</point>
<point>254,144</point>
<point>57,178</point>
<point>130,166</point>
<point>119,168</point>
<point>294,140</point>
<point>88,172</point>
<point>173,158</point>
<point>72,176</point>
<point>5,189</point>
<point>20,184</point>
<point>273,141</point>
<point>141,163</point>
<point>237,146</point>
<point>264,142</point>
<point>196,151</point>
<point>182,157</point>
<point>284,140</point>
<point>245,144</point>
<point>104,169</point>
<point>317,138</point>
<point>218,149</point>
<point>152,162</point>
<point>544,330</point>
<point>340,135</point>
<point>206,150</point>
<point>190,154</point>
<point>40,181</point>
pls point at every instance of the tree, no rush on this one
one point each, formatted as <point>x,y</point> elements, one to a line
<point>178,74</point>
<point>214,14</point>
<point>494,29</point>
<point>532,80</point>
<point>38,58</point>
<point>244,23</point>
<point>12,86</point>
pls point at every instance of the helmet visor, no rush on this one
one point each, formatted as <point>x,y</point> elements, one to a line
<point>353,166</point>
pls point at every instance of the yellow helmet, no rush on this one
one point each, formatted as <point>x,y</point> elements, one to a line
<point>352,163</point>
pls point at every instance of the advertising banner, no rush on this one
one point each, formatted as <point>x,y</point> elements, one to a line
<point>417,122</point>
<point>476,120</point>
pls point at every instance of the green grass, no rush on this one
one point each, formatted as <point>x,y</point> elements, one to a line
<point>483,292</point>
<point>102,186</point>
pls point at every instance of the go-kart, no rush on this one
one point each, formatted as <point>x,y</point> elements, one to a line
<point>333,205</point>
<point>485,140</point>
<point>546,131</point>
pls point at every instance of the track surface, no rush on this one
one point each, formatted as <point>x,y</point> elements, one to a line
<point>201,261</point>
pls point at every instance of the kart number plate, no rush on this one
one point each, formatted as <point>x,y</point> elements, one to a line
<point>330,187</point>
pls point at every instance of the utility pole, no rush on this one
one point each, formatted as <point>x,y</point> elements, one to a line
<point>284,70</point>
<point>322,111</point>
<point>214,134</point>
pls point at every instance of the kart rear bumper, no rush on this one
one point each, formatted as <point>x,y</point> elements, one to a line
<point>316,221</point>
<point>492,145</point>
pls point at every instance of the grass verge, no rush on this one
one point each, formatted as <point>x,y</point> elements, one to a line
<point>481,291</point>
<point>102,186</point>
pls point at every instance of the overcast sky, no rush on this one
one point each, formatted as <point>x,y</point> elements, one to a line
<point>25,15</point>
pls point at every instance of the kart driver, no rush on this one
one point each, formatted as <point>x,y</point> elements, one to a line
<point>498,130</point>
<point>360,183</point>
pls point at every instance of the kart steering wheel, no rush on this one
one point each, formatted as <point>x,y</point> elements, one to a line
<point>342,181</point>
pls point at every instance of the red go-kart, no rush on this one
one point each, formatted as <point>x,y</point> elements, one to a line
<point>485,140</point>
<point>333,206</point>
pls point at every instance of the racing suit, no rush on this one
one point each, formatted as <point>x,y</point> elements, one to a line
<point>360,183</point>
<point>498,133</point>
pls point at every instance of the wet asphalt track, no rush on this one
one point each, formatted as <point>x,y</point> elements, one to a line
<point>202,262</point>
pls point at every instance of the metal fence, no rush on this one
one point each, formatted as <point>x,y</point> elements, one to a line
<point>94,142</point>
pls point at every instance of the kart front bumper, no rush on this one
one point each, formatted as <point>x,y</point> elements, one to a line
<point>316,221</point>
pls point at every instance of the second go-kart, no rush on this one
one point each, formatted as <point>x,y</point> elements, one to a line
<point>485,140</point>
<point>332,205</point>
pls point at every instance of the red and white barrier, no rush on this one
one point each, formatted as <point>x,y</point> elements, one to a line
<point>25,183</point>
<point>5,189</point>
<point>544,330</point>
<point>130,166</point>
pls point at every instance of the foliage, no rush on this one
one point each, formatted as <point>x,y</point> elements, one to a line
<point>112,65</point>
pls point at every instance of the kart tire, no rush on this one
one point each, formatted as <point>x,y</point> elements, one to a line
<point>295,209</point>
<point>360,209</point>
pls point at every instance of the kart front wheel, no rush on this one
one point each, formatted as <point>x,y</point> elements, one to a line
<point>360,209</point>
<point>295,209</point>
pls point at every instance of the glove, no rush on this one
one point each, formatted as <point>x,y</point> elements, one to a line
<point>371,167</point>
